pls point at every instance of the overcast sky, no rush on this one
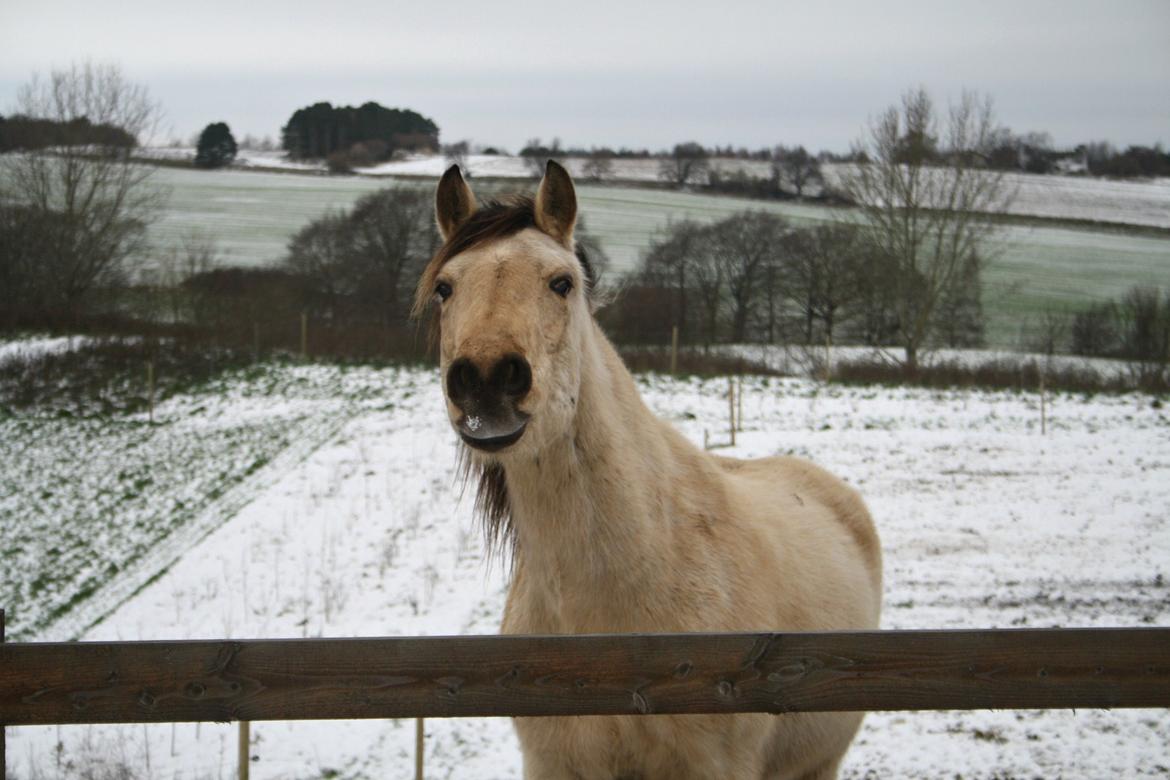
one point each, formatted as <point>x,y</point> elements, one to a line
<point>627,73</point>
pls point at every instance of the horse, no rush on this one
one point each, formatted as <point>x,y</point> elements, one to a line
<point>615,521</point>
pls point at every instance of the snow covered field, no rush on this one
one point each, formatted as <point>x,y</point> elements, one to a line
<point>1061,197</point>
<point>354,526</point>
<point>252,216</point>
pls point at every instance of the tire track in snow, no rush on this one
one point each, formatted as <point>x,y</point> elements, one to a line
<point>144,570</point>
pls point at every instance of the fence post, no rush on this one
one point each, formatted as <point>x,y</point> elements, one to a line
<point>739,402</point>
<point>244,756</point>
<point>418,749</point>
<point>3,747</point>
<point>1043,406</point>
<point>674,350</point>
<point>731,407</point>
<point>150,390</point>
<point>304,334</point>
<point>255,342</point>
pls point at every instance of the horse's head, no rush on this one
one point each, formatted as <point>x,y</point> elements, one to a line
<point>512,300</point>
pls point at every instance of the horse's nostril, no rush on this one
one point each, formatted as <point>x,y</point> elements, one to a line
<point>514,376</point>
<point>462,378</point>
<point>467,375</point>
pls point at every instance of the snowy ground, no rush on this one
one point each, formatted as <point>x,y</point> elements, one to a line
<point>985,523</point>
<point>35,346</point>
<point>805,360</point>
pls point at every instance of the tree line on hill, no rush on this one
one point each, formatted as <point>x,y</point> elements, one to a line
<point>756,277</point>
<point>362,135</point>
<point>25,133</point>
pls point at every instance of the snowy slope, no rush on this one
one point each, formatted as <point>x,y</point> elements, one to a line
<point>984,522</point>
<point>1131,202</point>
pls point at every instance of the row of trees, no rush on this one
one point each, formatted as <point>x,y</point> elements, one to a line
<point>369,130</point>
<point>362,264</point>
<point>754,277</point>
<point>24,133</point>
<point>905,272</point>
<point>1135,328</point>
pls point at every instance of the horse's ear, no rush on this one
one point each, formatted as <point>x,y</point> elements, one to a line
<point>454,202</point>
<point>556,204</point>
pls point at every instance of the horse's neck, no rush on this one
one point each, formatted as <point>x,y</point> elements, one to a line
<point>592,515</point>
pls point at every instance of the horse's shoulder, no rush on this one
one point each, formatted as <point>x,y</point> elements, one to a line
<point>807,482</point>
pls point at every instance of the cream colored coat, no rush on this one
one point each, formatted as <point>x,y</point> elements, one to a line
<point>620,524</point>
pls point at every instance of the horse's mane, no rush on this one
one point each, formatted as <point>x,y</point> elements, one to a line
<point>494,220</point>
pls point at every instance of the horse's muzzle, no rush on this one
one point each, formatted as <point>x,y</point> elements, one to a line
<point>490,437</point>
<point>488,401</point>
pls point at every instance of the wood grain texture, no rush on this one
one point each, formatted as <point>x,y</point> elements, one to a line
<point>435,677</point>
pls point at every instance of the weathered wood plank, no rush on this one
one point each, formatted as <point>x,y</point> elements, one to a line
<point>100,682</point>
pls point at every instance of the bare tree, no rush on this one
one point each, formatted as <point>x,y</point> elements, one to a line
<point>796,167</point>
<point>536,155</point>
<point>686,164</point>
<point>195,254</point>
<point>707,281</point>
<point>96,197</point>
<point>599,165</point>
<point>1051,331</point>
<point>456,154</point>
<point>929,202</point>
<point>1145,333</point>
<point>1094,331</point>
<point>824,276</point>
<point>743,246</point>
<point>667,266</point>
<point>393,235</point>
<point>322,254</point>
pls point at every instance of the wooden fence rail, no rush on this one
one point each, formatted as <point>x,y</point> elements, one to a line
<point>116,682</point>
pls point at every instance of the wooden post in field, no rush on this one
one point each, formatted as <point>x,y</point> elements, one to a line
<point>3,750</point>
<point>418,749</point>
<point>150,390</point>
<point>674,350</point>
<point>255,342</point>
<point>304,334</point>
<point>739,402</point>
<point>731,407</point>
<point>245,757</point>
<point>1043,407</point>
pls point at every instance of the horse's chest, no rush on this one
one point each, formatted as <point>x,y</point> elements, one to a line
<point>639,748</point>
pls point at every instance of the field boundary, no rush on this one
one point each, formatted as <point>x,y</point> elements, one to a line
<point>599,674</point>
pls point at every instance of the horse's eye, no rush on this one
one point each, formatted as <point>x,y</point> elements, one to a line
<point>443,290</point>
<point>561,285</point>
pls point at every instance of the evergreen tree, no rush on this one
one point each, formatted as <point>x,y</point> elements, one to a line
<point>216,148</point>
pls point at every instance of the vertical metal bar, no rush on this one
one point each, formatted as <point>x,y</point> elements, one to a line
<point>418,748</point>
<point>245,757</point>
